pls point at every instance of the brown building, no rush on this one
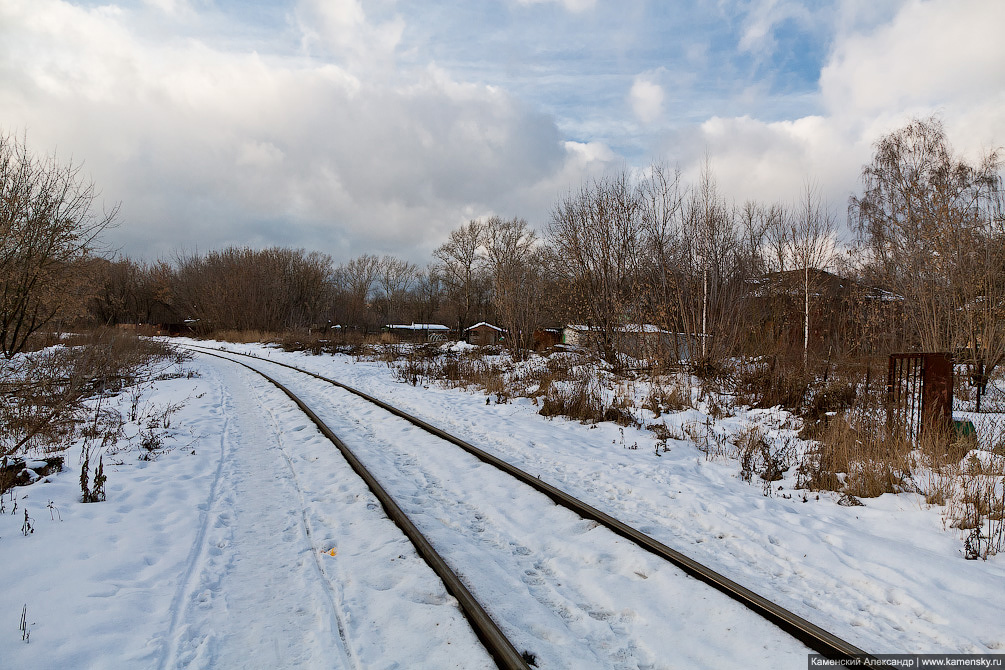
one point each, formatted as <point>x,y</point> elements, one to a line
<point>843,312</point>
<point>483,334</point>
<point>416,332</point>
<point>546,338</point>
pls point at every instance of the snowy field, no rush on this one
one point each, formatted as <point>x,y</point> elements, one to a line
<point>244,541</point>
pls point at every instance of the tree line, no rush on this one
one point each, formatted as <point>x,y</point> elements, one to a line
<point>922,269</point>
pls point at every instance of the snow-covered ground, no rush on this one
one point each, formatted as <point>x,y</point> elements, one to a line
<point>247,542</point>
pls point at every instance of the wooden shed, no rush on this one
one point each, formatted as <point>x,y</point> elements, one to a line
<point>482,334</point>
<point>644,342</point>
<point>546,338</point>
<point>417,332</point>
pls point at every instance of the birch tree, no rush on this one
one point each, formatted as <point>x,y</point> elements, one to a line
<point>930,227</point>
<point>811,236</point>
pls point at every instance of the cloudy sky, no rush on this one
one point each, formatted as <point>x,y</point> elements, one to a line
<point>377,126</point>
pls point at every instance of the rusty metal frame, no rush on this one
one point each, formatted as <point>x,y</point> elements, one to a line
<point>919,394</point>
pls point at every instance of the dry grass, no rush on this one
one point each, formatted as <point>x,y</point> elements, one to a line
<point>971,485</point>
<point>579,400</point>
<point>977,507</point>
<point>668,394</point>
<point>44,393</point>
<point>708,440</point>
<point>772,382</point>
<point>563,384</point>
<point>851,451</point>
<point>246,336</point>
<point>811,392</point>
<point>855,454</point>
<point>769,459</point>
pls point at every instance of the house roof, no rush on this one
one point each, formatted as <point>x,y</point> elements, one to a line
<point>635,328</point>
<point>792,282</point>
<point>483,324</point>
<point>626,328</point>
<point>419,326</point>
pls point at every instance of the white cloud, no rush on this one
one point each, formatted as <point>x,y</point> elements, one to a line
<point>931,54</point>
<point>207,146</point>
<point>342,29</point>
<point>761,19</point>
<point>575,6</point>
<point>171,7</point>
<point>261,155</point>
<point>770,162</point>
<point>647,98</point>
<point>343,134</point>
<point>935,57</point>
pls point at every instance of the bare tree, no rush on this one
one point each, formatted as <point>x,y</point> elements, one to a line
<point>130,292</point>
<point>354,280</point>
<point>755,222</point>
<point>811,236</point>
<point>394,278</point>
<point>116,295</point>
<point>459,265</point>
<point>930,228</point>
<point>598,234</point>
<point>48,225</point>
<point>427,294</point>
<point>244,289</point>
<point>665,277</point>
<point>515,267</point>
<point>710,256</point>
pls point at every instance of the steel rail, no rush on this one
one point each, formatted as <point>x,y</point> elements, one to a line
<point>813,636</point>
<point>495,641</point>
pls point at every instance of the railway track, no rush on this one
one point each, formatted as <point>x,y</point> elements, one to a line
<point>503,651</point>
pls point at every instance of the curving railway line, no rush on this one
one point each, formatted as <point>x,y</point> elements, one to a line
<point>505,652</point>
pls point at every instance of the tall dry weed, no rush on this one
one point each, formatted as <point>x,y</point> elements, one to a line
<point>247,336</point>
<point>855,454</point>
<point>45,392</point>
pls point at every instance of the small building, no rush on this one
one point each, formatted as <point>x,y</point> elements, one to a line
<point>841,310</point>
<point>546,338</point>
<point>482,334</point>
<point>418,332</point>
<point>642,341</point>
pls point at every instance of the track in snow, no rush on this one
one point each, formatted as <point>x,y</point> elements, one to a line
<point>434,489</point>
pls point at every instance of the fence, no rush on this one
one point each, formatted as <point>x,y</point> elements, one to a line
<point>920,394</point>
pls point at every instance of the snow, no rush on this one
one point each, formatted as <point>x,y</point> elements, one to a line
<point>483,324</point>
<point>420,326</point>
<point>217,553</point>
<point>246,541</point>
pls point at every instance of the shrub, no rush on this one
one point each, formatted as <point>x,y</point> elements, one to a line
<point>579,400</point>
<point>768,459</point>
<point>45,392</point>
<point>667,395</point>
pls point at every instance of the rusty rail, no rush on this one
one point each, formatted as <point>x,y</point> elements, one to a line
<point>495,641</point>
<point>814,637</point>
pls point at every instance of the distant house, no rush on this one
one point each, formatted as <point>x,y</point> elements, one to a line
<point>545,338</point>
<point>483,334</point>
<point>840,309</point>
<point>642,341</point>
<point>418,332</point>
